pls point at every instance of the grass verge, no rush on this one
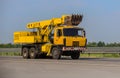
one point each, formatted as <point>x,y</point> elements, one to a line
<point>100,55</point>
<point>10,54</point>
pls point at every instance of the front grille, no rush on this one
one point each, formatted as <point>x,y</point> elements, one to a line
<point>76,43</point>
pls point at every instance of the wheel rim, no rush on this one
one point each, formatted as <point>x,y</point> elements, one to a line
<point>56,53</point>
<point>32,53</point>
<point>25,53</point>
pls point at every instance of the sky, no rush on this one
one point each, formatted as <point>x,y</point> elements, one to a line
<point>101,18</point>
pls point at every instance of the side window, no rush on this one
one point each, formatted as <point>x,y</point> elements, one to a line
<point>52,33</point>
<point>80,33</point>
<point>59,33</point>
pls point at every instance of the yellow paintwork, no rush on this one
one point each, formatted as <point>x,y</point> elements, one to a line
<point>46,48</point>
<point>58,40</point>
<point>44,28</point>
<point>43,24</point>
<point>81,40</point>
<point>26,37</point>
<point>69,40</point>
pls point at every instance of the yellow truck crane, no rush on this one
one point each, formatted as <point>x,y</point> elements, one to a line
<point>54,37</point>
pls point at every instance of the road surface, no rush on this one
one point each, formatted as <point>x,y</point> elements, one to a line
<point>17,67</point>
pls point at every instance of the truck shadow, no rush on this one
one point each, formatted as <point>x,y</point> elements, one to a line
<point>69,58</point>
<point>81,59</point>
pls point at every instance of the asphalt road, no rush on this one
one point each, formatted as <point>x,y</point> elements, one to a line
<point>17,67</point>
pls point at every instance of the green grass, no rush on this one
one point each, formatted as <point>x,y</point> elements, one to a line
<point>9,53</point>
<point>86,55</point>
<point>100,55</point>
<point>91,55</point>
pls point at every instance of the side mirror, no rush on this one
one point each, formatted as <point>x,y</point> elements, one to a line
<point>84,33</point>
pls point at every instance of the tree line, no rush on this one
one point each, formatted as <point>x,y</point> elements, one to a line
<point>102,44</point>
<point>89,44</point>
<point>10,45</point>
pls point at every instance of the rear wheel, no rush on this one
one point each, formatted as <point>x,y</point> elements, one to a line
<point>25,53</point>
<point>56,53</point>
<point>75,55</point>
<point>32,53</point>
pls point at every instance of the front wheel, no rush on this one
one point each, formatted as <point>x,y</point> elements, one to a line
<point>56,53</point>
<point>75,55</point>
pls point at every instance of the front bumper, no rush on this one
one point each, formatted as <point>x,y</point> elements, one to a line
<point>73,48</point>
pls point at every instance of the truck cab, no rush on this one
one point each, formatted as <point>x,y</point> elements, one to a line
<point>70,39</point>
<point>67,35</point>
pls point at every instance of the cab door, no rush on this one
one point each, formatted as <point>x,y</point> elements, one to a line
<point>58,37</point>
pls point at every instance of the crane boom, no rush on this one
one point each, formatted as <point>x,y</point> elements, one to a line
<point>64,20</point>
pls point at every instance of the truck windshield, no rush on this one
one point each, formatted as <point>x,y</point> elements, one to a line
<point>73,32</point>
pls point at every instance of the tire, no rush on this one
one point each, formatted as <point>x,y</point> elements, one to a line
<point>33,53</point>
<point>75,55</point>
<point>25,53</point>
<point>56,53</point>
